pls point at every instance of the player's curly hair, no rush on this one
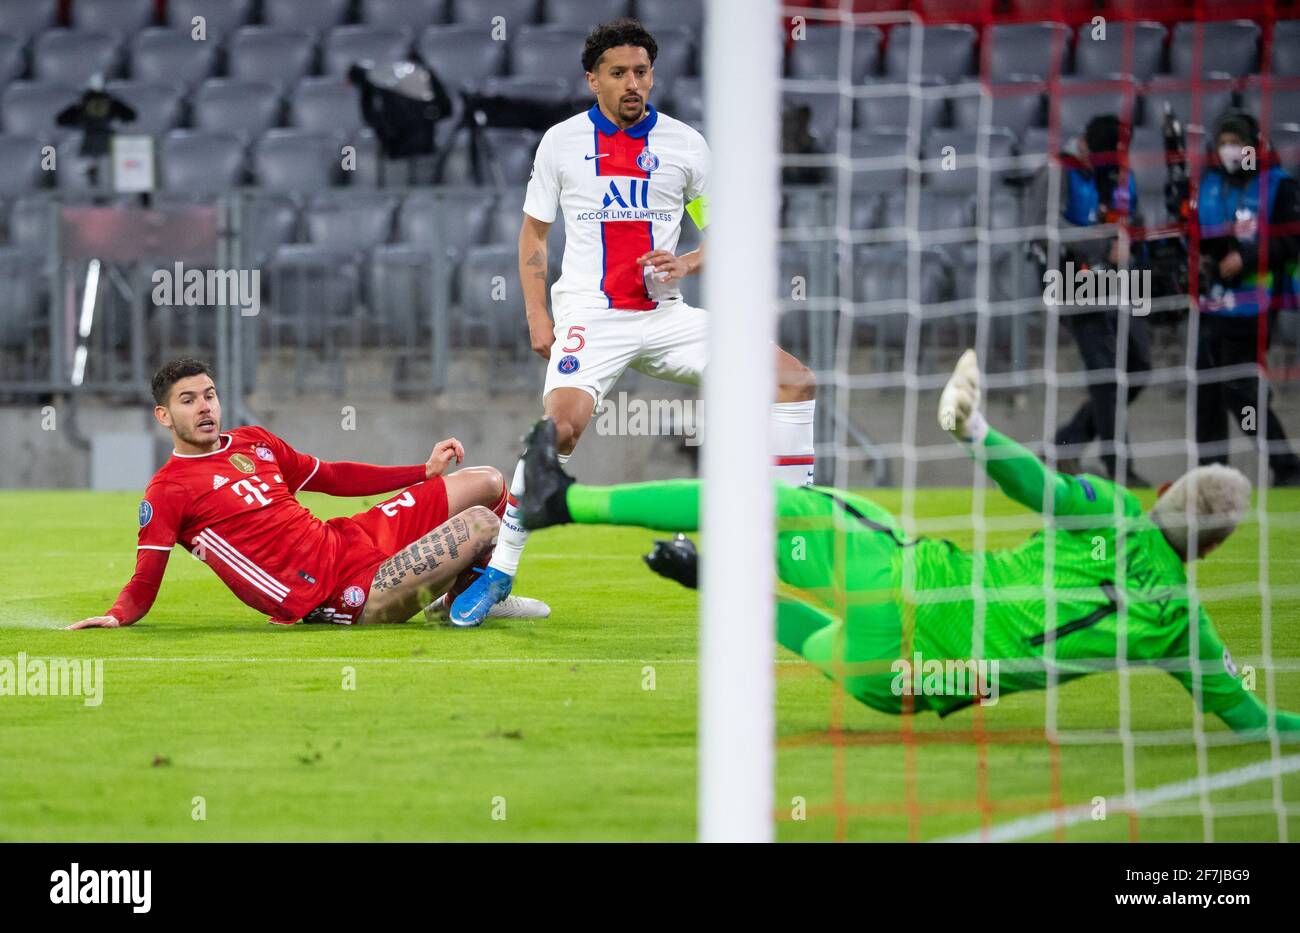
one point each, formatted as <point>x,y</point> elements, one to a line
<point>622,31</point>
<point>174,372</point>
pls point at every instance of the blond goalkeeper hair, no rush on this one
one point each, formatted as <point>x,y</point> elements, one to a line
<point>1200,510</point>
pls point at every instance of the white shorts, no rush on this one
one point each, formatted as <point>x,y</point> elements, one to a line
<point>594,345</point>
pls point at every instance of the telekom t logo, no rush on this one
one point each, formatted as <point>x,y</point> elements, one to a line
<point>251,493</point>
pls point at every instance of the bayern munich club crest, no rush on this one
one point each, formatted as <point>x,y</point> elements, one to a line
<point>568,365</point>
<point>354,596</point>
<point>647,161</point>
<point>263,453</point>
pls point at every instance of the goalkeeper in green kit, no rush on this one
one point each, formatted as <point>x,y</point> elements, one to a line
<point>894,619</point>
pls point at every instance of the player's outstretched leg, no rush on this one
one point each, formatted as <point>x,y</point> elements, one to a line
<point>424,569</point>
<point>545,482</point>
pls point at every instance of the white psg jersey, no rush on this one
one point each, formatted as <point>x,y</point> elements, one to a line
<point>623,193</point>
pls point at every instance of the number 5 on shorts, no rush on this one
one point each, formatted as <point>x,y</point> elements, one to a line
<point>575,334</point>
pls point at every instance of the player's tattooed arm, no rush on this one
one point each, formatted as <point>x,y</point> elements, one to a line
<point>536,264</point>
<point>424,557</point>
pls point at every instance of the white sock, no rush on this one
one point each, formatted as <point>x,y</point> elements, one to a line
<point>792,440</point>
<point>563,458</point>
<point>512,537</point>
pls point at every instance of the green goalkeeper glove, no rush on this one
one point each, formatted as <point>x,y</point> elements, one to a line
<point>959,405</point>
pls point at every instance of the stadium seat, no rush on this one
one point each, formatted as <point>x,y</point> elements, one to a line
<point>895,110</point>
<point>817,55</point>
<point>584,14</point>
<point>170,56</point>
<point>688,101</point>
<point>1215,99</point>
<point>945,211</point>
<point>507,216</point>
<point>554,91</point>
<point>824,116</point>
<point>269,222</point>
<point>30,107</point>
<point>479,273</point>
<point>880,274</point>
<point>118,16</point>
<point>1285,60</point>
<point>1100,57</point>
<point>230,105</point>
<point>402,287</point>
<point>201,162</point>
<point>221,17</point>
<point>318,15</point>
<point>888,151</point>
<point>662,14</point>
<point>676,59</point>
<point>451,219</point>
<point>24,19</point>
<point>20,165</point>
<point>29,221</point>
<point>548,52</point>
<point>511,158</point>
<point>411,15</point>
<point>462,55</point>
<point>474,13</point>
<point>1283,106</point>
<point>947,52</point>
<point>350,45</point>
<point>997,143</point>
<point>326,105</point>
<point>1081,99</point>
<point>73,57</point>
<point>158,108</point>
<point>1228,46</point>
<point>270,53</point>
<point>296,161</point>
<point>23,314</point>
<point>1286,143</point>
<point>13,60</point>
<point>357,221</point>
<point>73,169</point>
<point>1020,50</point>
<point>316,292</point>
<point>1014,106</point>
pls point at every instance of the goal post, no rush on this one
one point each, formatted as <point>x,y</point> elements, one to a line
<point>741,67</point>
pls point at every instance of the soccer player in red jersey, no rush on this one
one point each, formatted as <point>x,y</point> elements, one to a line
<point>229,499</point>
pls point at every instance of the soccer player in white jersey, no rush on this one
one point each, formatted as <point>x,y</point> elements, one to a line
<point>624,176</point>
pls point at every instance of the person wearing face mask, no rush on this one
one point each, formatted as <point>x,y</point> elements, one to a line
<point>1248,213</point>
<point>1097,188</point>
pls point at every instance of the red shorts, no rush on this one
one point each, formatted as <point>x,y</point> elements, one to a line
<point>369,538</point>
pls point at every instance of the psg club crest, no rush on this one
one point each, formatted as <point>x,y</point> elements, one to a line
<point>647,161</point>
<point>242,463</point>
<point>146,512</point>
<point>568,365</point>
<point>353,596</point>
<point>263,453</point>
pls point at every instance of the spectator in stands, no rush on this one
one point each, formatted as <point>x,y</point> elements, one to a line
<point>1242,206</point>
<point>1091,194</point>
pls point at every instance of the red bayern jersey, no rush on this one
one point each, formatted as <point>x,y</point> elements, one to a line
<point>234,509</point>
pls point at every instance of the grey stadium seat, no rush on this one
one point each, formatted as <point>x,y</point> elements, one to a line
<point>478,14</point>
<point>824,120</point>
<point>1286,48</point>
<point>658,14</point>
<point>271,53</point>
<point>688,101</point>
<point>1215,100</point>
<point>326,105</point>
<point>202,162</point>
<point>297,161</point>
<point>171,56</point>
<point>158,108</point>
<point>1230,46</point>
<point>548,52</point>
<point>350,220</point>
<point>1286,143</point>
<point>349,45</point>
<point>23,313</point>
<point>1013,106</point>
<point>947,52</point>
<point>1098,57</point>
<point>412,15</point>
<point>29,107</point>
<point>20,165</point>
<point>817,55</point>
<point>120,16</point>
<point>221,16</point>
<point>478,273</point>
<point>453,219</point>
<point>1081,99</point>
<point>507,216</point>
<point>229,105</point>
<point>13,61</point>
<point>305,14</point>
<point>315,291</point>
<point>998,144</point>
<point>24,19</point>
<point>29,221</point>
<point>462,55</point>
<point>73,57</point>
<point>1283,106</point>
<point>542,90</point>
<point>895,111</point>
<point>71,174</point>
<point>512,155</point>
<point>675,59</point>
<point>270,221</point>
<point>1037,49</point>
<point>583,13</point>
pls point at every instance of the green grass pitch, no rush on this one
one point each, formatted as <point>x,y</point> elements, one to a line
<point>550,725</point>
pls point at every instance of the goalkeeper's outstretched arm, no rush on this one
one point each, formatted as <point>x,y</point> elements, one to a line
<point>1018,473</point>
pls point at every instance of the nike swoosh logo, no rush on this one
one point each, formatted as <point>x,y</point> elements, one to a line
<point>601,156</point>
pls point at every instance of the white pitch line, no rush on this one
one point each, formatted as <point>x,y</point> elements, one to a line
<point>229,660</point>
<point>1046,821</point>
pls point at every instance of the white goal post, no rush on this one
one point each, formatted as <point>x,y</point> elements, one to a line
<point>741,67</point>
